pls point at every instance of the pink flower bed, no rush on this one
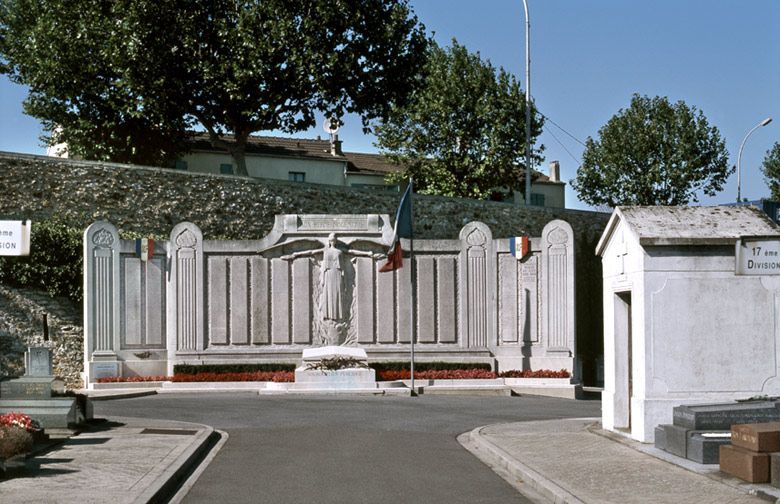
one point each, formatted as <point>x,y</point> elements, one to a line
<point>441,374</point>
<point>275,376</point>
<point>20,420</point>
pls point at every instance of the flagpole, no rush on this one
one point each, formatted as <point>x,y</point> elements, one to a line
<point>411,283</point>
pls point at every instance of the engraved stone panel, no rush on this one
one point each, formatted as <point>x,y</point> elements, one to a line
<point>239,300</point>
<point>364,282</point>
<point>155,302</point>
<point>477,284</point>
<point>426,305</point>
<point>385,300</point>
<point>507,299</point>
<point>260,301</point>
<point>280,302</point>
<point>301,320</point>
<point>528,306</point>
<point>218,300</point>
<point>404,303</point>
<point>131,302</point>
<point>446,300</point>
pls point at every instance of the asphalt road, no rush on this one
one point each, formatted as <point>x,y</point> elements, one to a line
<point>326,449</point>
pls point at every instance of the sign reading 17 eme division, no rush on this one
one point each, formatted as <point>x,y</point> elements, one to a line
<point>759,256</point>
<point>14,238</point>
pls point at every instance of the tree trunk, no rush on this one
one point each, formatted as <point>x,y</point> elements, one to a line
<point>238,151</point>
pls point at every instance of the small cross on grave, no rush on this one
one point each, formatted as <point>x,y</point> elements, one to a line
<point>621,254</point>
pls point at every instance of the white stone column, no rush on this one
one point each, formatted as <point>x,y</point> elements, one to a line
<point>185,307</point>
<point>557,290</point>
<point>477,286</point>
<point>101,295</point>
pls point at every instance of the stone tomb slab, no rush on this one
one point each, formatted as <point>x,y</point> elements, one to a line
<point>676,440</point>
<point>774,469</point>
<point>704,447</point>
<point>722,416</point>
<point>760,437</point>
<point>27,387</point>
<point>660,437</point>
<point>744,464</point>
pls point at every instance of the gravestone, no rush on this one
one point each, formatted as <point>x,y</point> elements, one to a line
<point>32,394</point>
<point>723,416</point>
<point>307,376</point>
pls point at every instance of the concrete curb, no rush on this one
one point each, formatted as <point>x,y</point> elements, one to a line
<point>163,481</point>
<point>492,455</point>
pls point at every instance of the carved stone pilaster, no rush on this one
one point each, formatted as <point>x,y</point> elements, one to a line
<point>186,305</point>
<point>557,285</point>
<point>477,286</point>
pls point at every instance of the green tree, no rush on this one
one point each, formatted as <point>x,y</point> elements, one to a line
<point>653,153</point>
<point>233,68</point>
<point>771,169</point>
<point>462,133</point>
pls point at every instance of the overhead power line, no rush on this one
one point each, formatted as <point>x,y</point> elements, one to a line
<point>562,129</point>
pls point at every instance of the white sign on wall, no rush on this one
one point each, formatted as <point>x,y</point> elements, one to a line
<point>758,256</point>
<point>14,238</point>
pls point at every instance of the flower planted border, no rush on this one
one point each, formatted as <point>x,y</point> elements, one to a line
<point>385,374</point>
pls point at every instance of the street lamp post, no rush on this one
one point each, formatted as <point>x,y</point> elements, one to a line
<point>527,105</point>
<point>739,156</point>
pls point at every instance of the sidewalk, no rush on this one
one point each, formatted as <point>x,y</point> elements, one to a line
<point>573,461</point>
<point>124,460</point>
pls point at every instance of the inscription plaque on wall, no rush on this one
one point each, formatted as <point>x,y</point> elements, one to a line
<point>757,256</point>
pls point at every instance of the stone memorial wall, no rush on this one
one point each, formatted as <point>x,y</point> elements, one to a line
<point>314,280</point>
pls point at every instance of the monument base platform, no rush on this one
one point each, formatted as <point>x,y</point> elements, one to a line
<point>54,413</point>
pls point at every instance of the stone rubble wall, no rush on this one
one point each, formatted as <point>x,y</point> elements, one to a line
<point>150,201</point>
<point>21,325</point>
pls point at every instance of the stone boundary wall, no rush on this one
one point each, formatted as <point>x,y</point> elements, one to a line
<point>21,325</point>
<point>151,201</point>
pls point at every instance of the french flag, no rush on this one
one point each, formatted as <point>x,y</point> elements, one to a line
<point>144,248</point>
<point>403,229</point>
<point>519,246</point>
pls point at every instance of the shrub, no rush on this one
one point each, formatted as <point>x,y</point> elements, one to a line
<point>539,373</point>
<point>193,369</point>
<point>14,441</point>
<point>427,366</point>
<point>436,374</point>
<point>54,264</point>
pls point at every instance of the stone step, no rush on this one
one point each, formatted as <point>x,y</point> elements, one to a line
<point>491,390</point>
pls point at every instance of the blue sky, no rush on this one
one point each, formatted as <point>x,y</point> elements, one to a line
<point>588,58</point>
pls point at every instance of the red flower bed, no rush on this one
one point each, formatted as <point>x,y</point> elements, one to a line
<point>131,379</point>
<point>442,374</point>
<point>539,373</point>
<point>276,376</point>
<point>21,420</point>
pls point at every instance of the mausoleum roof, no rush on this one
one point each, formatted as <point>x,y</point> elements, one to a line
<point>692,225</point>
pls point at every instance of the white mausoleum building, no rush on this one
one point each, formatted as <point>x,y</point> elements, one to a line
<point>690,311</point>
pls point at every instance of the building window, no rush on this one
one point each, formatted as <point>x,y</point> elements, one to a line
<point>180,165</point>
<point>226,169</point>
<point>296,176</point>
<point>537,199</point>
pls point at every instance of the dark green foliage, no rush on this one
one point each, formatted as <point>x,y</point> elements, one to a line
<point>428,366</point>
<point>771,169</point>
<point>54,264</point>
<point>463,133</point>
<point>653,153</point>
<point>14,441</point>
<point>125,79</point>
<point>230,368</point>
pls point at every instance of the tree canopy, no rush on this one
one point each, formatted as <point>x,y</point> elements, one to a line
<point>123,75</point>
<point>462,133</point>
<point>653,153</point>
<point>771,169</point>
